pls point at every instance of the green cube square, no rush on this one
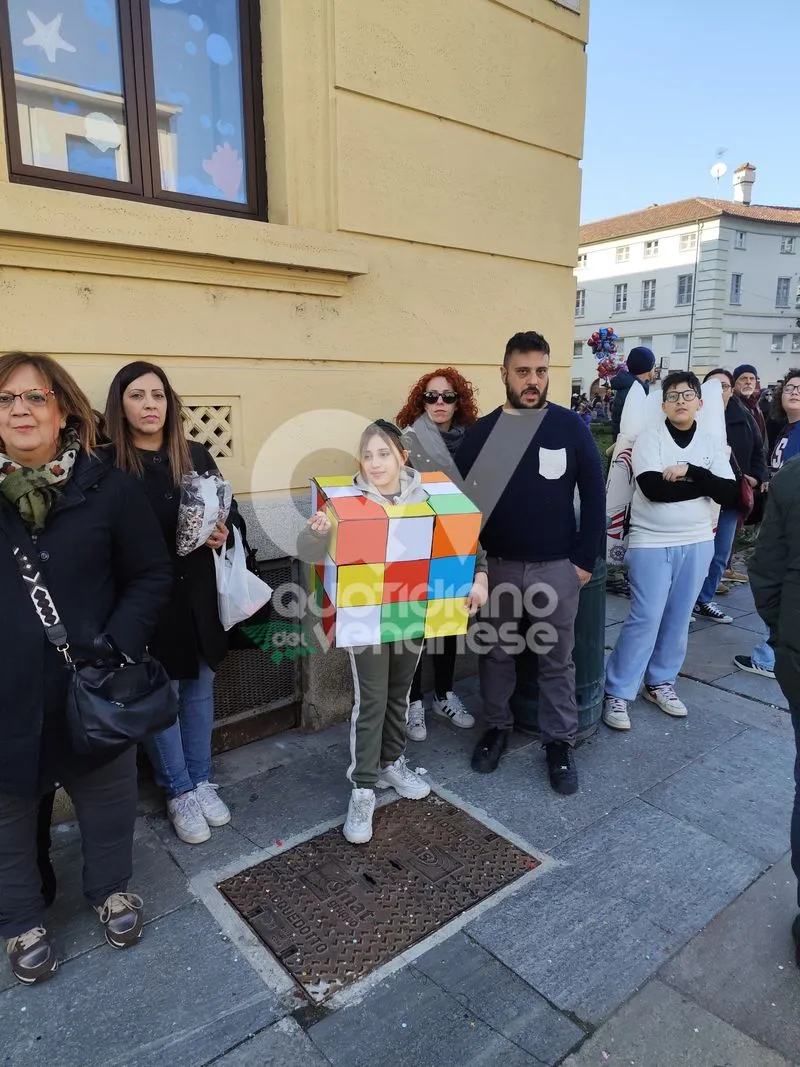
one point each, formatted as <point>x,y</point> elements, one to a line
<point>452,504</point>
<point>403,621</point>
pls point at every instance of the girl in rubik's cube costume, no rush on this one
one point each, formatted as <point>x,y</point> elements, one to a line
<point>382,671</point>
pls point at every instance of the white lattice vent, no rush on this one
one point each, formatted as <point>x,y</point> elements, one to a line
<point>211,426</point>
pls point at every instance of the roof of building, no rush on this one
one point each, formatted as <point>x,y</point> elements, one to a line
<point>665,216</point>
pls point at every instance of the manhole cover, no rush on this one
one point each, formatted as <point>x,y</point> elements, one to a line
<point>332,912</point>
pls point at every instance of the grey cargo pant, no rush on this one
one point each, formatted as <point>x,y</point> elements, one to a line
<point>556,604</point>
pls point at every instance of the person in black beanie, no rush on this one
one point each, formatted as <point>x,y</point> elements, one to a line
<point>641,364</point>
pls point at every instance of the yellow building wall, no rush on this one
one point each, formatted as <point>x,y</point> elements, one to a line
<point>424,187</point>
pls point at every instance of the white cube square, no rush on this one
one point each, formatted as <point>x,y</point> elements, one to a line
<point>358,626</point>
<point>342,490</point>
<point>440,488</point>
<point>409,539</point>
<point>329,581</point>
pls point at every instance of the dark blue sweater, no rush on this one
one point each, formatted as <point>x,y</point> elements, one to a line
<point>524,483</point>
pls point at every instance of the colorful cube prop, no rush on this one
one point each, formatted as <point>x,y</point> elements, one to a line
<point>394,572</point>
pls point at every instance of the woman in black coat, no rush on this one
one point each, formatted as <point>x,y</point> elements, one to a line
<point>89,529</point>
<point>143,421</point>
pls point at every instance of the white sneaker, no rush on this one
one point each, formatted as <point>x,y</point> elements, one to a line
<point>187,819</point>
<point>453,709</point>
<point>401,778</point>
<point>667,699</point>
<point>215,811</point>
<point>615,713</point>
<point>415,728</point>
<point>358,824</point>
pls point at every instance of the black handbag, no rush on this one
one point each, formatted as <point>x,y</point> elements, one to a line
<point>109,706</point>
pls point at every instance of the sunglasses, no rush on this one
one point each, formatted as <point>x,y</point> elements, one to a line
<point>448,396</point>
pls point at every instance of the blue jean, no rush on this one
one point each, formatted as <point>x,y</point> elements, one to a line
<point>664,583</point>
<point>795,831</point>
<point>763,655</point>
<point>181,755</point>
<point>723,543</point>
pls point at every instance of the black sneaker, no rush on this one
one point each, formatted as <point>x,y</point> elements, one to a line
<point>32,956</point>
<point>710,611</point>
<point>563,776</point>
<point>745,663</point>
<point>489,750</point>
<point>796,936</point>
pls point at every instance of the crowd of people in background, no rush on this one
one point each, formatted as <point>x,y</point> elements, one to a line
<point>100,517</point>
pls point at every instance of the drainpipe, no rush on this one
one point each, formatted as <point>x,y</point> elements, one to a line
<point>694,294</point>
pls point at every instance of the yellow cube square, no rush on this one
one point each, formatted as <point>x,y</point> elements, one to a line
<point>447,617</point>
<point>360,585</point>
<point>408,511</point>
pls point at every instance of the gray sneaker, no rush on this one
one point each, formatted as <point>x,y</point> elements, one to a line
<point>32,956</point>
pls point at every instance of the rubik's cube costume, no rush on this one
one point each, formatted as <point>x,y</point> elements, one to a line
<point>390,573</point>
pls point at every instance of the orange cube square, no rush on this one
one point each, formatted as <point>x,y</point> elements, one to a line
<point>456,535</point>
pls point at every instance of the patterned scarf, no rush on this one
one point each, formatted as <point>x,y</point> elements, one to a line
<point>33,491</point>
<point>751,403</point>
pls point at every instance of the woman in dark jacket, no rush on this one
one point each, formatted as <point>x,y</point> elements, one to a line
<point>747,450</point>
<point>102,556</point>
<point>143,421</point>
<point>440,408</point>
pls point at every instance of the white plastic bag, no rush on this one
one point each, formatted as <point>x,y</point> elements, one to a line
<point>240,593</point>
<point>205,501</point>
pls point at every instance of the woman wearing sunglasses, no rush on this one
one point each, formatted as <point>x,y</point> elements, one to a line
<point>439,409</point>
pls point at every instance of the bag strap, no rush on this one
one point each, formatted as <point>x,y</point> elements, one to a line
<point>43,604</point>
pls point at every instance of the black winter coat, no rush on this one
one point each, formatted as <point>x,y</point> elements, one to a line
<point>104,561</point>
<point>188,627</point>
<point>774,571</point>
<point>621,384</point>
<point>745,440</point>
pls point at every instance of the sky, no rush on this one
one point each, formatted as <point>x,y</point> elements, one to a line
<point>672,82</point>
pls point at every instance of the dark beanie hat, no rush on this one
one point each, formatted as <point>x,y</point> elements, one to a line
<point>640,360</point>
<point>746,368</point>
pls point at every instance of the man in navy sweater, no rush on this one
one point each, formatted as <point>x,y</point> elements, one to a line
<point>521,466</point>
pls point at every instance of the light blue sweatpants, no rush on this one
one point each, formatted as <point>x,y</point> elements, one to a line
<point>664,583</point>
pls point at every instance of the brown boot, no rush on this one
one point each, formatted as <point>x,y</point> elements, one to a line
<point>122,917</point>
<point>32,955</point>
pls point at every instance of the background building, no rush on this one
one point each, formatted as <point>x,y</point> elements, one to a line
<point>702,282</point>
<point>294,206</point>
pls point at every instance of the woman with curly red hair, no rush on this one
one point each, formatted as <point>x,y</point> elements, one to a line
<point>440,408</point>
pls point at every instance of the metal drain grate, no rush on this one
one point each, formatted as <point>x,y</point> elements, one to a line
<point>332,912</point>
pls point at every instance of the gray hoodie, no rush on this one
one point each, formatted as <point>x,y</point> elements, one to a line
<point>311,546</point>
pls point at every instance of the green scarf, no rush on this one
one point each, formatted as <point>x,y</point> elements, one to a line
<point>33,491</point>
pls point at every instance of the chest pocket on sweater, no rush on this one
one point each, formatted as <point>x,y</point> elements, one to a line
<point>552,463</point>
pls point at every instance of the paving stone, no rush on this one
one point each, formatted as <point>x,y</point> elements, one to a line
<point>583,958</point>
<point>290,800</point>
<point>705,698</point>
<point>613,767</point>
<point>751,622</point>
<point>682,878</point>
<point>617,608</point>
<point>711,651</point>
<point>409,1020</point>
<point>741,967</point>
<point>660,1028</point>
<point>740,793</point>
<point>282,1045</point>
<point>162,1002</point>
<point>499,997</point>
<point>765,690</point>
<point>280,751</point>
<point>225,846</point>
<point>665,880</point>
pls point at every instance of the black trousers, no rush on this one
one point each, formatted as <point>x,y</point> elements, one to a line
<point>105,804</point>
<point>442,652</point>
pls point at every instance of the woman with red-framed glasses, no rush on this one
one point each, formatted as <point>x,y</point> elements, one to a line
<point>439,409</point>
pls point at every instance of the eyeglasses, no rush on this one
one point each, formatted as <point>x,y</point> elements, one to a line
<point>449,396</point>
<point>34,398</point>
<point>726,387</point>
<point>686,394</point>
<point>791,390</point>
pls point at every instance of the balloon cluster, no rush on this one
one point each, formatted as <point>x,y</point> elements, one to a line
<point>603,344</point>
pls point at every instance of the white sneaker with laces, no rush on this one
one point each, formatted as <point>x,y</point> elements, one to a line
<point>401,778</point>
<point>667,699</point>
<point>452,708</point>
<point>615,713</point>
<point>415,728</point>
<point>187,819</point>
<point>215,811</point>
<point>358,824</point>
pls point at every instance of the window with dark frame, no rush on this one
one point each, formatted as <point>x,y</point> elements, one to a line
<point>685,289</point>
<point>146,99</point>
